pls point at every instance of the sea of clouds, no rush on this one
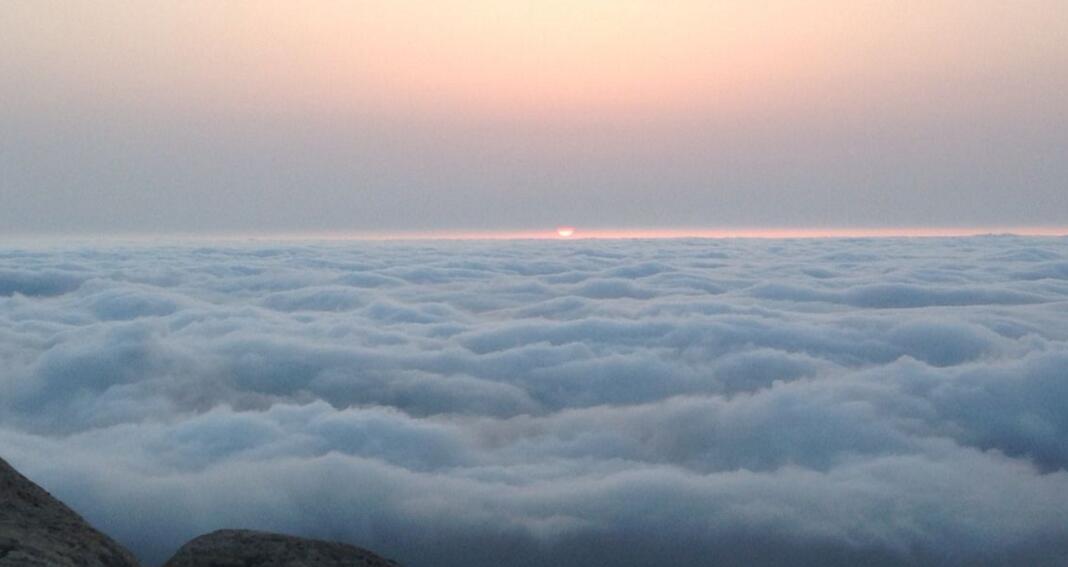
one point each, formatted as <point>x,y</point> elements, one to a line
<point>573,402</point>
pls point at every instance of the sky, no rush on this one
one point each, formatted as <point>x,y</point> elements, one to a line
<point>478,115</point>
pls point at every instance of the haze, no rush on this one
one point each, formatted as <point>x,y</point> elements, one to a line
<point>474,115</point>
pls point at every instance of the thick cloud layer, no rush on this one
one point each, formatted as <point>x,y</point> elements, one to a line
<point>553,402</point>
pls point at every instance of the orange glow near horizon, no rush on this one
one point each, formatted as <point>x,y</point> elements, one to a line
<point>609,234</point>
<point>663,233</point>
<point>546,234</point>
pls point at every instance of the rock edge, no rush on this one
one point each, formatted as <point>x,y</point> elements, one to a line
<point>248,547</point>
<point>38,530</point>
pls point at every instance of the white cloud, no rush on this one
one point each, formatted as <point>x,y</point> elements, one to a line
<point>567,403</point>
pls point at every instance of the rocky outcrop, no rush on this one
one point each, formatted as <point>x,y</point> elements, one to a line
<point>38,530</point>
<point>245,548</point>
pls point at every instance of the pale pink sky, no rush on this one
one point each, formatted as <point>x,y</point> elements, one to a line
<point>506,115</point>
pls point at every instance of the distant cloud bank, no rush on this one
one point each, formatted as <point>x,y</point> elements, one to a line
<point>686,402</point>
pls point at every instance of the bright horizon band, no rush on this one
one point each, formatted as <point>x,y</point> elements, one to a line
<point>551,234</point>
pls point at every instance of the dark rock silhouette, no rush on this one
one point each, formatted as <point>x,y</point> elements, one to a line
<point>245,548</point>
<point>36,529</point>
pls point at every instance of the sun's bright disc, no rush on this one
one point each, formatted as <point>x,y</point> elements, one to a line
<point>565,231</point>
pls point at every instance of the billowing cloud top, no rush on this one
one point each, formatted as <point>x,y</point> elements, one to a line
<point>553,403</point>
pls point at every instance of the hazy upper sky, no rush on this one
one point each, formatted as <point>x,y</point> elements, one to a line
<point>408,115</point>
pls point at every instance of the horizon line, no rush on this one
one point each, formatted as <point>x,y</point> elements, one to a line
<point>555,234</point>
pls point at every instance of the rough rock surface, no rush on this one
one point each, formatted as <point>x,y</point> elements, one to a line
<point>38,530</point>
<point>245,548</point>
